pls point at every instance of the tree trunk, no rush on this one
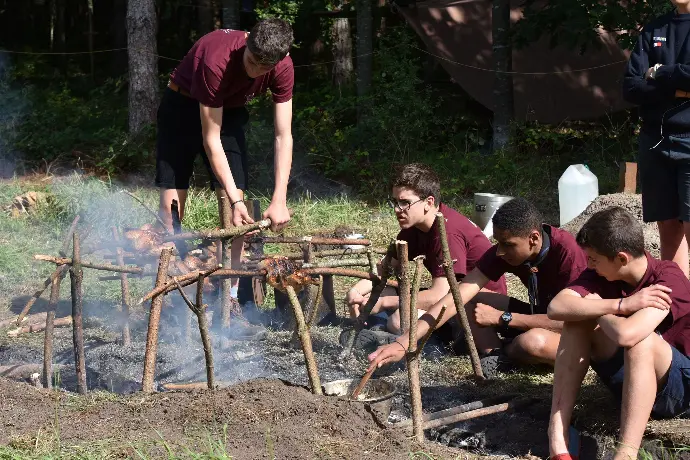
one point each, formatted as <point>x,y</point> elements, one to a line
<point>364,52</point>
<point>142,27</point>
<point>60,35</point>
<point>204,16</point>
<point>231,14</point>
<point>503,81</point>
<point>342,51</point>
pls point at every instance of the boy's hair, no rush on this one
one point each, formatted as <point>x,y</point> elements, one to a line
<point>610,231</point>
<point>419,178</point>
<point>517,216</point>
<point>270,41</point>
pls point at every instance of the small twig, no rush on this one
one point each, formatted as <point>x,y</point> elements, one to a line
<point>154,214</point>
<point>70,231</point>
<point>222,234</point>
<point>184,296</point>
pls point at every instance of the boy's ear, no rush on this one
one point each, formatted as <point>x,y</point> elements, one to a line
<point>624,258</point>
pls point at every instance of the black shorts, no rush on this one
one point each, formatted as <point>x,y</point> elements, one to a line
<point>664,177</point>
<point>179,141</point>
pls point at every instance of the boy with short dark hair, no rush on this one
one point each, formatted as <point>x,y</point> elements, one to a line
<point>545,258</point>
<point>628,316</point>
<point>416,198</point>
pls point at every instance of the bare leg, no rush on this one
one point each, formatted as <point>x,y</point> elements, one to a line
<point>535,346</point>
<point>165,201</point>
<point>673,242</point>
<point>579,341</point>
<point>646,367</point>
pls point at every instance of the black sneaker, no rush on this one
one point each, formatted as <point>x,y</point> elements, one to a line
<point>367,339</point>
<point>494,363</point>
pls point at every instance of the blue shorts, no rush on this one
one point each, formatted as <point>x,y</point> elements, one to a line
<point>671,401</point>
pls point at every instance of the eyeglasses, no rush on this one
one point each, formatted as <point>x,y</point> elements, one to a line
<point>403,206</point>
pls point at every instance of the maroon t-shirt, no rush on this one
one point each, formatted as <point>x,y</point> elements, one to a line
<point>563,264</point>
<point>675,328</point>
<point>213,72</point>
<point>466,243</point>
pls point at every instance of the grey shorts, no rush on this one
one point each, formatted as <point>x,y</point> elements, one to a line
<point>664,177</point>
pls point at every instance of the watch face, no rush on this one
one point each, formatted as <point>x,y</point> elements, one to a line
<point>506,316</point>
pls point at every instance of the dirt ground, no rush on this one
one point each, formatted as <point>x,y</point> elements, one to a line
<point>263,418</point>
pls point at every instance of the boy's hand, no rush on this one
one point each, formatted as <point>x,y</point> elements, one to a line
<point>386,354</point>
<point>486,315</point>
<point>354,301</point>
<point>655,296</point>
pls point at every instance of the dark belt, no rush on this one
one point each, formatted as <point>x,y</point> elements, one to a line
<point>175,87</point>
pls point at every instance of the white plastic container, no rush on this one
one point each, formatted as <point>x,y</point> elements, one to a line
<point>354,236</point>
<point>577,188</point>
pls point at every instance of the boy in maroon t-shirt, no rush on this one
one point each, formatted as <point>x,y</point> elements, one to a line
<point>545,258</point>
<point>628,316</point>
<point>416,199</point>
<point>202,111</point>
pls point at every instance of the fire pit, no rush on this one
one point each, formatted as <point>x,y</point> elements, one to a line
<point>377,393</point>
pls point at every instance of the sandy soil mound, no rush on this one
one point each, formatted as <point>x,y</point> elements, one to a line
<point>632,203</point>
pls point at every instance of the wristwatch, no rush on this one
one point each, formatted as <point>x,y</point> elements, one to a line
<point>652,74</point>
<point>506,318</point>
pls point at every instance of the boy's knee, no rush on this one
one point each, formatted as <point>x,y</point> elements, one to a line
<point>393,324</point>
<point>532,342</point>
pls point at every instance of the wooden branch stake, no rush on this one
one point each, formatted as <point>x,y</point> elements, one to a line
<point>627,178</point>
<point>326,253</point>
<point>412,355</point>
<point>472,414</point>
<point>313,239</point>
<point>225,212</point>
<point>59,272</point>
<point>95,266</point>
<point>337,263</point>
<point>458,409</point>
<point>222,234</point>
<point>377,289</point>
<point>68,237</point>
<point>404,286</point>
<point>154,320</point>
<point>305,338</point>
<point>31,319</point>
<point>39,327</point>
<point>48,336</point>
<point>457,299</point>
<point>124,301</point>
<point>166,287</point>
<point>372,261</point>
<point>314,312</point>
<point>431,330</point>
<point>76,276</point>
<point>200,311</point>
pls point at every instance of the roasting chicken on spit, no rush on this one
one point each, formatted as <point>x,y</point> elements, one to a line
<point>282,272</point>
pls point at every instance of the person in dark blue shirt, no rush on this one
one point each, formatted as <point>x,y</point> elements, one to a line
<point>657,80</point>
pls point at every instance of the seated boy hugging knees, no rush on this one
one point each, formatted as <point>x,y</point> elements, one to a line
<point>628,316</point>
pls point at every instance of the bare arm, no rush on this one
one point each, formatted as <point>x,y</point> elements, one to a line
<point>470,286</point>
<point>277,211</point>
<point>568,305</point>
<point>628,332</point>
<point>211,122</point>
<point>425,300</point>
<point>527,322</point>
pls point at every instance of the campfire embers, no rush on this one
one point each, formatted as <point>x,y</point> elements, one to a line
<point>282,272</point>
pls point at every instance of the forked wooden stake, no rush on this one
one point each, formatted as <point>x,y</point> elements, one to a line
<point>305,338</point>
<point>457,299</point>
<point>412,354</point>
<point>404,286</point>
<point>76,276</point>
<point>154,320</point>
<point>124,286</point>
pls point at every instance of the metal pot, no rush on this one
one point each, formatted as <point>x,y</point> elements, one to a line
<point>485,205</point>
<point>377,393</point>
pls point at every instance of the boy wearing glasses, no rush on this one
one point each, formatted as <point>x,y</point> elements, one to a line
<point>546,259</point>
<point>416,200</point>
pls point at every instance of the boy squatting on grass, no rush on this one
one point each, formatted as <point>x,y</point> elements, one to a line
<point>416,198</point>
<point>628,316</point>
<point>545,258</point>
